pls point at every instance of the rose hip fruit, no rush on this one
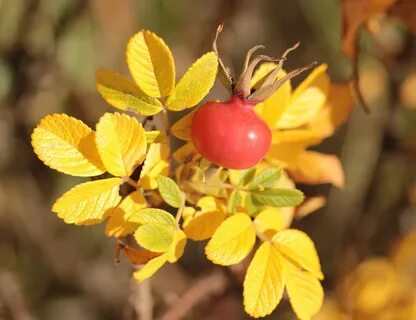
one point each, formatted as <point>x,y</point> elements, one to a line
<point>230,134</point>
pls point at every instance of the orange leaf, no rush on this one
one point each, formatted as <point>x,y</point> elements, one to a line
<point>355,13</point>
<point>315,168</point>
<point>309,205</point>
<point>335,112</point>
<point>139,256</point>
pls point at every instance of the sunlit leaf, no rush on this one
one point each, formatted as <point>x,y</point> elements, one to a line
<point>309,205</point>
<point>155,237</point>
<point>307,100</point>
<point>186,153</point>
<point>170,191</point>
<point>152,216</point>
<point>154,136</point>
<point>264,282</point>
<point>232,241</point>
<point>202,224</point>
<point>272,109</point>
<point>195,84</point>
<point>299,248</point>
<point>312,167</point>
<point>117,225</point>
<point>305,291</point>
<point>121,143</point>
<point>278,197</point>
<point>269,221</point>
<point>182,128</point>
<point>67,145</point>
<point>155,165</point>
<point>177,247</point>
<point>151,64</point>
<point>124,94</point>
<point>88,203</point>
<point>236,176</point>
<point>336,110</point>
<point>150,268</point>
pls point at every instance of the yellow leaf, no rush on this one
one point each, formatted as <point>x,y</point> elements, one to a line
<point>271,110</point>
<point>195,83</point>
<point>177,247</point>
<point>182,128</point>
<point>232,241</point>
<point>154,136</point>
<point>307,100</point>
<point>264,282</point>
<point>201,225</point>
<point>67,145</point>
<point>336,110</point>
<point>305,136</point>
<point>124,94</point>
<point>305,291</point>
<point>312,167</point>
<point>236,176</point>
<point>299,248</point>
<point>151,64</point>
<point>155,165</point>
<point>186,153</point>
<point>269,221</point>
<point>121,143</point>
<point>150,268</point>
<point>117,225</point>
<point>89,202</point>
<point>260,74</point>
<point>309,205</point>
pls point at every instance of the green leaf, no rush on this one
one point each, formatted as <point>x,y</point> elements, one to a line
<point>234,201</point>
<point>248,176</point>
<point>267,178</point>
<point>278,197</point>
<point>155,237</point>
<point>124,94</point>
<point>249,206</point>
<point>170,191</point>
<point>152,216</point>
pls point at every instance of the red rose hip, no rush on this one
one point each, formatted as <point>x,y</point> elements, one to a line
<point>230,134</point>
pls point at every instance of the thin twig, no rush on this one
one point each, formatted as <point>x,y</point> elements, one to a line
<point>356,78</point>
<point>204,288</point>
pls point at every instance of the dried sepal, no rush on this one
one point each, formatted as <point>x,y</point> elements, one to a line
<point>271,77</point>
<point>243,86</point>
<point>224,73</point>
<point>266,92</point>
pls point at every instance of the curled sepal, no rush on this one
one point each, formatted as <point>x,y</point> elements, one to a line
<point>266,92</point>
<point>243,86</point>
<point>224,72</point>
<point>271,77</point>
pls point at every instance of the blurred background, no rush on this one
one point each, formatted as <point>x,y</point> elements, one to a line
<point>49,52</point>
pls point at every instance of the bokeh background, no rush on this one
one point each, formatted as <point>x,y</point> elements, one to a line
<point>49,52</point>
